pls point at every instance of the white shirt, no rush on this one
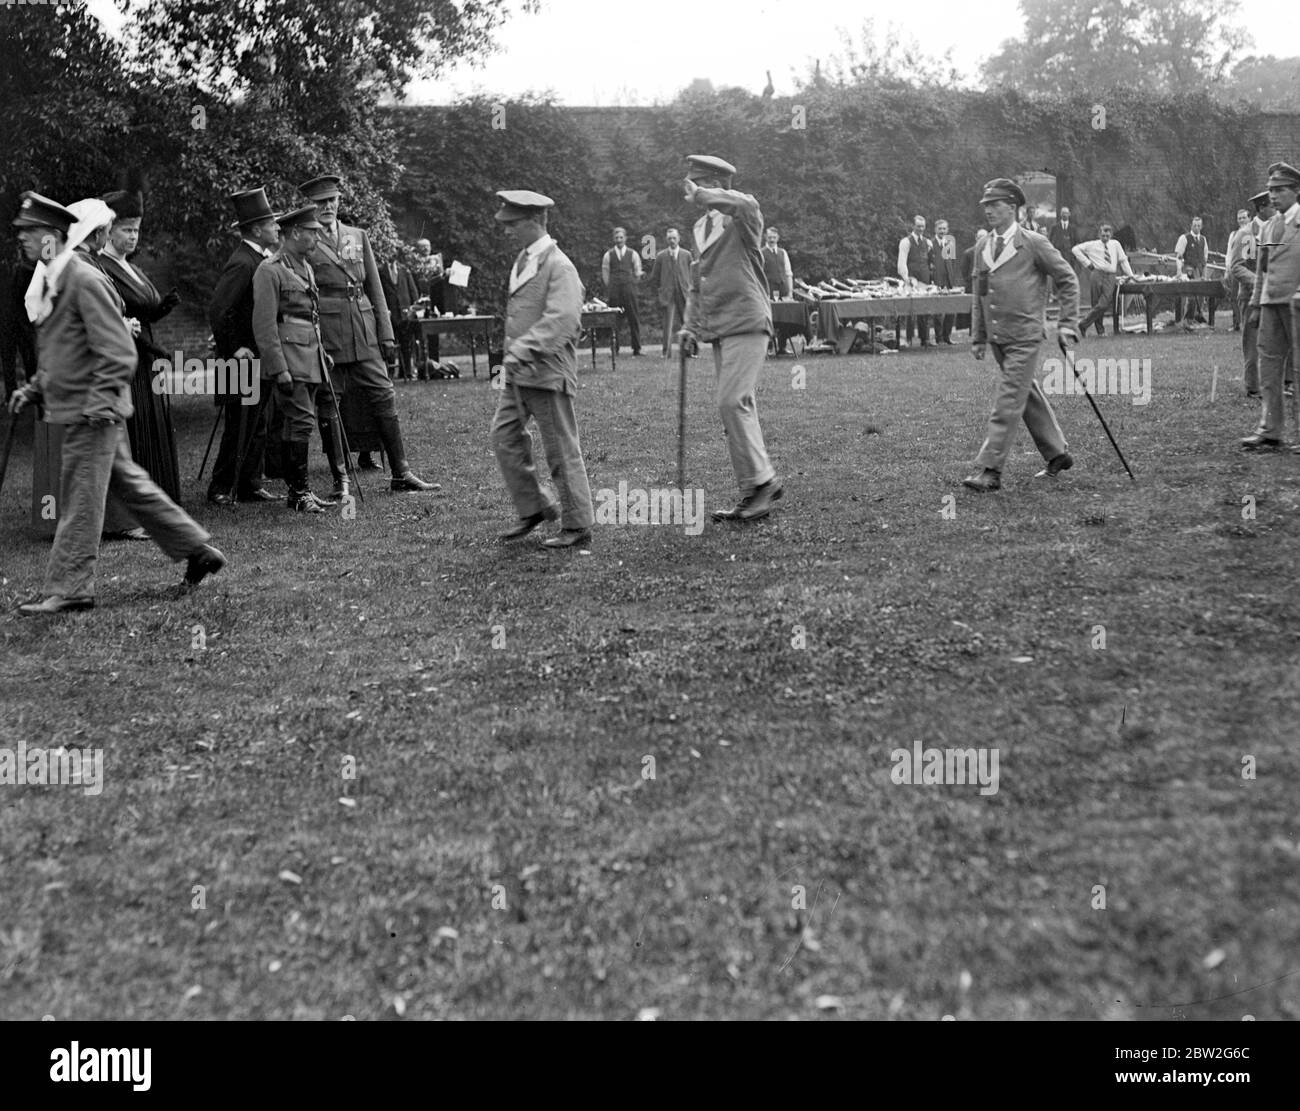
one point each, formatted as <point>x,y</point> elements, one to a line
<point>914,236</point>
<point>531,254</point>
<point>1107,257</point>
<point>265,252</point>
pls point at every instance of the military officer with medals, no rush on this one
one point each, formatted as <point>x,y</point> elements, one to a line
<point>285,326</point>
<point>356,328</point>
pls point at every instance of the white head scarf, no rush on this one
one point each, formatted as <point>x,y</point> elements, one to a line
<point>92,214</point>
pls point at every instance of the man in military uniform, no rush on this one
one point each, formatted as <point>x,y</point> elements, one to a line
<point>285,326</point>
<point>1014,270</point>
<point>243,439</point>
<point>1276,283</point>
<point>356,330</point>
<point>730,307</point>
<point>543,320</point>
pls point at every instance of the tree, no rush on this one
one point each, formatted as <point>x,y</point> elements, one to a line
<point>1268,82</point>
<point>892,59</point>
<point>1087,47</point>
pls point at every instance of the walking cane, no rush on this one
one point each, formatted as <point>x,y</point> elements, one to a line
<point>1069,359</point>
<point>9,443</point>
<point>342,433</point>
<point>215,425</point>
<point>681,416</point>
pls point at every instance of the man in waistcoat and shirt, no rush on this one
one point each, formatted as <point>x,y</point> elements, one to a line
<point>777,273</point>
<point>620,270</point>
<point>1103,258</point>
<point>916,264</point>
<point>1192,252</point>
<point>730,307</point>
<point>357,332</point>
<point>1014,273</point>
<point>1277,280</point>
<point>237,473</point>
<point>670,277</point>
<point>540,372</point>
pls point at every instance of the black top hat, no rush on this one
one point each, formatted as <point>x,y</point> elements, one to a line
<point>251,207</point>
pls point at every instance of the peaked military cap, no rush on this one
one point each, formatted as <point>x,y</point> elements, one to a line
<point>36,211</point>
<point>1003,189</point>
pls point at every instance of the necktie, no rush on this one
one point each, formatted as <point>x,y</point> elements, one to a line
<point>519,262</point>
<point>997,246</point>
<point>708,225</point>
<point>1110,262</point>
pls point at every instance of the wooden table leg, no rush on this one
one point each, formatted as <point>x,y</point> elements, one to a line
<point>1146,300</point>
<point>613,348</point>
<point>473,360</point>
<point>592,335</point>
<point>1213,304</point>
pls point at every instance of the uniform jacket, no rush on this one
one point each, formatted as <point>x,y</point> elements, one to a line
<point>86,356</point>
<point>1279,260</point>
<point>669,279</point>
<point>231,310</point>
<point>400,293</point>
<point>1010,297</point>
<point>1065,239</point>
<point>946,271</point>
<point>284,312</point>
<point>354,317</point>
<point>543,321</point>
<point>729,292</point>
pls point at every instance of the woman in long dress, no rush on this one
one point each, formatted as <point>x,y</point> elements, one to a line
<point>152,436</point>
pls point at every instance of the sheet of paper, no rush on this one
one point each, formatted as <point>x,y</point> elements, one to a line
<point>458,275</point>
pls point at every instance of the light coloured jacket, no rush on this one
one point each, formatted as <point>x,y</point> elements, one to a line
<point>729,291</point>
<point>543,321</point>
<point>86,354</point>
<point>1009,302</point>
<point>1279,261</point>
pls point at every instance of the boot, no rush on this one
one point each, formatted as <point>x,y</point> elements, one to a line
<point>333,446</point>
<point>293,465</point>
<point>404,479</point>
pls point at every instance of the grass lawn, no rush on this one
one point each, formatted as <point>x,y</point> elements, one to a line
<point>501,851</point>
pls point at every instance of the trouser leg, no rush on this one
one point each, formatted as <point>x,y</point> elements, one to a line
<point>513,448</point>
<point>738,361</point>
<point>1249,346</point>
<point>167,524</point>
<point>1016,366</point>
<point>87,468</point>
<point>558,424</point>
<point>1274,345</point>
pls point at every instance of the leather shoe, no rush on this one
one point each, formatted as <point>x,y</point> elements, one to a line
<point>1253,393</point>
<point>755,506</point>
<point>570,538</point>
<point>1259,442</point>
<point>1056,465</point>
<point>206,561</point>
<point>260,494</point>
<point>984,481</point>
<point>54,604</point>
<point>366,462</point>
<point>305,503</point>
<point>408,481</point>
<point>527,524</point>
<point>220,499</point>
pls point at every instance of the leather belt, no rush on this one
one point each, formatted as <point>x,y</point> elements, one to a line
<point>312,320</point>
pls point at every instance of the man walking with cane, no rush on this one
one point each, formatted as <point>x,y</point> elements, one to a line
<point>1013,273</point>
<point>730,307</point>
<point>540,372</point>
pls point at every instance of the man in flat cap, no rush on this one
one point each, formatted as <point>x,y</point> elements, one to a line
<point>1276,282</point>
<point>1014,271</point>
<point>237,474</point>
<point>86,358</point>
<point>730,307</point>
<point>543,320</point>
<point>356,328</point>
<point>286,329</point>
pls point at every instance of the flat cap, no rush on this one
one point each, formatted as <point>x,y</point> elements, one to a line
<point>519,204</point>
<point>304,217</point>
<point>706,165</point>
<point>36,211</point>
<point>321,188</point>
<point>1003,189</point>
<point>1282,174</point>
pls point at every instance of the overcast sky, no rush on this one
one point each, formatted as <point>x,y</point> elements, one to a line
<point>597,52</point>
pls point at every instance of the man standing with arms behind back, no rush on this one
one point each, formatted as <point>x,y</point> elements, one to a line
<point>357,332</point>
<point>730,307</point>
<point>540,372</point>
<point>1014,272</point>
<point>671,277</point>
<point>915,264</point>
<point>620,270</point>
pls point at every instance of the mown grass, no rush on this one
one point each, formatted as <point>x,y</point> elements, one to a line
<point>519,769</point>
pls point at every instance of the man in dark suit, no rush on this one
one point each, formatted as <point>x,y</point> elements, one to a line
<point>670,277</point>
<point>947,274</point>
<point>401,293</point>
<point>915,264</point>
<point>1064,236</point>
<point>243,437</point>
